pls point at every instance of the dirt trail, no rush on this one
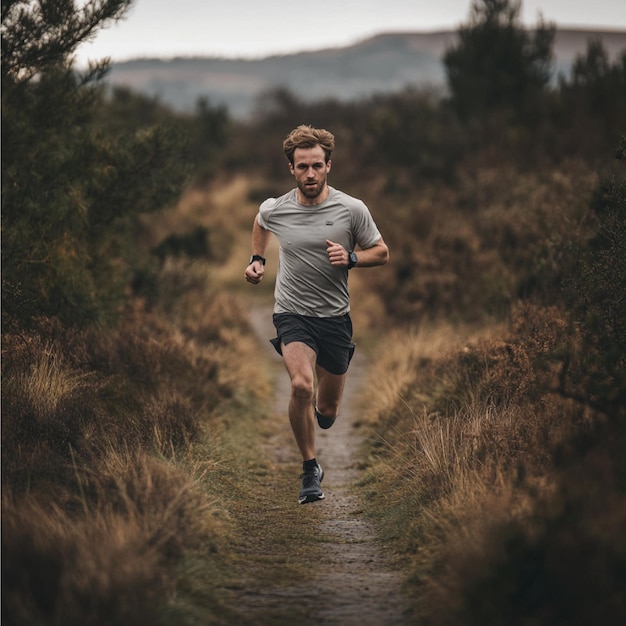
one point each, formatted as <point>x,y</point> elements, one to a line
<point>354,583</point>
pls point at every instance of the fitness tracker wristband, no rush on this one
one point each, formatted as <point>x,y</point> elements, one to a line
<point>257,257</point>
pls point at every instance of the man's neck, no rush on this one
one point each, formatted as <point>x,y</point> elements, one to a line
<point>302,199</point>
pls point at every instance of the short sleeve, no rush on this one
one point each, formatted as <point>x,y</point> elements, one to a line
<point>366,232</point>
<point>265,211</point>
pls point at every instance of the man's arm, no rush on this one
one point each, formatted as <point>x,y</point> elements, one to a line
<point>260,239</point>
<point>378,254</point>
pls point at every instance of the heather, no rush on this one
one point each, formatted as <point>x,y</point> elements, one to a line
<point>133,386</point>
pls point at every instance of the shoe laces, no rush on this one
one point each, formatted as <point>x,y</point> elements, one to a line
<point>310,477</point>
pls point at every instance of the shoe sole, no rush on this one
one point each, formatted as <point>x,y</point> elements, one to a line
<point>311,498</point>
<point>323,421</point>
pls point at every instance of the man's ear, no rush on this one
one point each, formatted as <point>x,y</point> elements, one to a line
<point>328,164</point>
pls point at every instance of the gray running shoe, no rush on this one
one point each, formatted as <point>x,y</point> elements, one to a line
<point>311,489</point>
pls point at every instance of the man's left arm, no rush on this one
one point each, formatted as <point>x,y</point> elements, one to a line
<point>378,254</point>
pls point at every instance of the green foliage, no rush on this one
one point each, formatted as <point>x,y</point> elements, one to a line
<point>206,132</point>
<point>70,191</point>
<point>209,130</point>
<point>497,64</point>
<point>123,111</point>
<point>194,244</point>
<point>593,99</point>
<point>40,35</point>
<point>410,131</point>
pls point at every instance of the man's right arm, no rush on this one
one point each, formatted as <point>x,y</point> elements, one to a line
<point>260,239</point>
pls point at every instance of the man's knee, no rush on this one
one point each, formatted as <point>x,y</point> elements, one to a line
<point>302,388</point>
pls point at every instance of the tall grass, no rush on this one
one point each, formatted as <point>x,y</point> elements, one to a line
<point>106,551</point>
<point>481,479</point>
<point>111,458</point>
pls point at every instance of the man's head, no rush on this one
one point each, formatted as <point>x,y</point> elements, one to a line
<point>308,137</point>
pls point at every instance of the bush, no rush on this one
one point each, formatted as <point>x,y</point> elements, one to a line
<point>70,194</point>
<point>593,365</point>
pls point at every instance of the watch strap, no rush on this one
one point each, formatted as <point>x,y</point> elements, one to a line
<point>257,257</point>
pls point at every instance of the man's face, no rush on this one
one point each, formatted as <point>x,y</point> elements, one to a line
<point>310,171</point>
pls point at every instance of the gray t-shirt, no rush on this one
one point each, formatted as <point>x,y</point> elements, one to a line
<point>307,284</point>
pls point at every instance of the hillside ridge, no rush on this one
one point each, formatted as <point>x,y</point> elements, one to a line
<point>384,63</point>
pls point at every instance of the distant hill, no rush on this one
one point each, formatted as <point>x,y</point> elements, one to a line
<point>384,63</point>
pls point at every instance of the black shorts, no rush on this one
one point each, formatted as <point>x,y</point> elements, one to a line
<point>330,337</point>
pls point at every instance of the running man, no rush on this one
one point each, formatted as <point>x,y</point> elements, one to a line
<point>323,233</point>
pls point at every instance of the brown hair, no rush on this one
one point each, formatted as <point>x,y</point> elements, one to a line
<point>308,137</point>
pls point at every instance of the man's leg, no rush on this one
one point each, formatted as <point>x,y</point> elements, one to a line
<point>329,394</point>
<point>299,360</point>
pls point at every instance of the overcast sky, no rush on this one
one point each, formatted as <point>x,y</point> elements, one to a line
<point>258,28</point>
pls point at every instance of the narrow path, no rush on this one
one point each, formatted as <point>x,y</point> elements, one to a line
<point>354,583</point>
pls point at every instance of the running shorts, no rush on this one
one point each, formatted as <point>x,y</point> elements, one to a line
<point>330,337</point>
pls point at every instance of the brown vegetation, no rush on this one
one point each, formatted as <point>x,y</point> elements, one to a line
<point>494,455</point>
<point>496,490</point>
<point>111,454</point>
<point>131,386</point>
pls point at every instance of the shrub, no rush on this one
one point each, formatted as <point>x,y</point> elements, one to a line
<point>70,194</point>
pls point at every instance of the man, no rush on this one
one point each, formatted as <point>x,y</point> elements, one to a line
<point>323,234</point>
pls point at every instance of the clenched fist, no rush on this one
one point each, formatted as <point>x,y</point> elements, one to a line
<point>337,254</point>
<point>254,272</point>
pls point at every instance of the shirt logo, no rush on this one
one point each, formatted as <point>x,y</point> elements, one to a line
<point>329,223</point>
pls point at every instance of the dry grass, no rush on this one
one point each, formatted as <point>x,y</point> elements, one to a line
<point>116,461</point>
<point>468,452</point>
<point>107,551</point>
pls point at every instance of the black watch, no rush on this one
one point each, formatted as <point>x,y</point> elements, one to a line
<point>257,257</point>
<point>353,259</point>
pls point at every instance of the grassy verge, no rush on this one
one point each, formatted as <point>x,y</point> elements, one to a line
<point>109,438</point>
<point>502,498</point>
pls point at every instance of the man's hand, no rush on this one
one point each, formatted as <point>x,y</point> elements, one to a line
<point>254,272</point>
<point>337,254</point>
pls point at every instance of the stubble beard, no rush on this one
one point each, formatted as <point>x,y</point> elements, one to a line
<point>312,192</point>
